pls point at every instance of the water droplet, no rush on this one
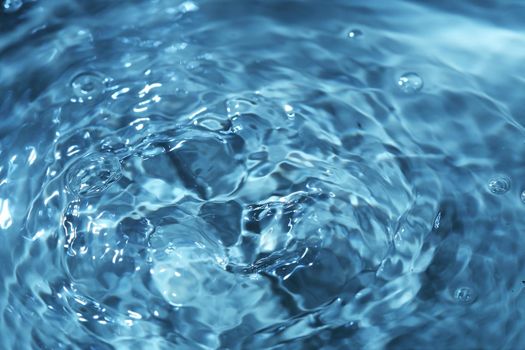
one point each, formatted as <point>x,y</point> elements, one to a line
<point>499,184</point>
<point>87,86</point>
<point>465,295</point>
<point>355,33</point>
<point>6,219</point>
<point>93,174</point>
<point>11,6</point>
<point>289,111</point>
<point>410,83</point>
<point>437,221</point>
<point>188,6</point>
<point>522,196</point>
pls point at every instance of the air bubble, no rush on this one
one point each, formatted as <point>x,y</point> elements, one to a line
<point>464,295</point>
<point>355,33</point>
<point>410,83</point>
<point>11,6</point>
<point>522,196</point>
<point>499,184</point>
<point>93,174</point>
<point>87,86</point>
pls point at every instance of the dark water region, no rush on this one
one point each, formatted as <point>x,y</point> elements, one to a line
<point>274,174</point>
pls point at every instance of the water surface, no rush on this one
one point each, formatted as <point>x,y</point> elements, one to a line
<point>262,174</point>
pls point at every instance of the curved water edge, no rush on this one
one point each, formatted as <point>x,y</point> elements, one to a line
<point>278,174</point>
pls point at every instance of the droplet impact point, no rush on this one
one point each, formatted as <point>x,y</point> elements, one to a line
<point>410,83</point>
<point>87,86</point>
<point>93,174</point>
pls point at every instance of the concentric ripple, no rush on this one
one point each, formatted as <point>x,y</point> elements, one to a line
<point>93,174</point>
<point>261,175</point>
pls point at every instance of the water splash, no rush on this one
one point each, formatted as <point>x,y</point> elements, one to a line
<point>174,176</point>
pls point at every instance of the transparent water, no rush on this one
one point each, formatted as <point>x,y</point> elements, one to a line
<point>262,174</point>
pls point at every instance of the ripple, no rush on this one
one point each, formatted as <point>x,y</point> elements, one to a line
<point>87,86</point>
<point>410,83</point>
<point>93,174</point>
<point>212,189</point>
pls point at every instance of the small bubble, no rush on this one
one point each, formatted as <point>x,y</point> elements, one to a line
<point>87,86</point>
<point>464,295</point>
<point>499,184</point>
<point>355,33</point>
<point>93,174</point>
<point>11,6</point>
<point>522,196</point>
<point>410,83</point>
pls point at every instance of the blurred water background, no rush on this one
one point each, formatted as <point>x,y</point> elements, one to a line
<point>274,174</point>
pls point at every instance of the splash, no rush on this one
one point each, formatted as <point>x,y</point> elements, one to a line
<point>265,174</point>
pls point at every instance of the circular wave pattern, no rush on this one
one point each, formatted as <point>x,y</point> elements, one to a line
<point>173,176</point>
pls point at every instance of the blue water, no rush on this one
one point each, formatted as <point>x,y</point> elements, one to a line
<point>262,174</point>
